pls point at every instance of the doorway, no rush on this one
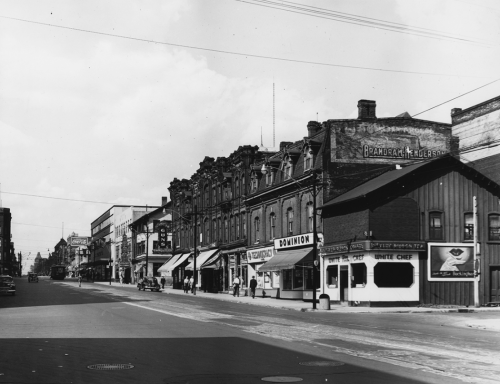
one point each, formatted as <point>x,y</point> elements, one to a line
<point>344,283</point>
<point>495,284</point>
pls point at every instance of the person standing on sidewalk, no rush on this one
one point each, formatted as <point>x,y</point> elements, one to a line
<point>79,280</point>
<point>253,285</point>
<point>186,284</point>
<point>191,284</point>
<point>162,280</point>
<point>236,286</point>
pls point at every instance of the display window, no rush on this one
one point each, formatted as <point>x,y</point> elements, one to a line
<point>394,275</point>
<point>358,276</point>
<point>332,276</point>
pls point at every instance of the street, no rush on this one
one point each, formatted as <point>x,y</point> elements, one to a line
<point>53,331</point>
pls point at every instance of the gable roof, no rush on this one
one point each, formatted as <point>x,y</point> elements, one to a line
<point>389,177</point>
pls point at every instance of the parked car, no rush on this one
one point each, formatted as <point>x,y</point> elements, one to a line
<point>149,283</point>
<point>32,277</point>
<point>7,285</point>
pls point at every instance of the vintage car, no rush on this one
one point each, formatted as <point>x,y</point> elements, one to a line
<point>7,285</point>
<point>149,283</point>
<point>32,277</point>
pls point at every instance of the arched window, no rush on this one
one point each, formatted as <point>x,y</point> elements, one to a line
<point>310,217</point>
<point>244,225</point>
<point>236,187</point>
<point>272,226</point>
<point>206,225</point>
<point>256,224</point>
<point>436,226</point>
<point>494,227</point>
<point>226,229</point>
<point>238,234</point>
<point>214,229</point>
<point>231,236</point>
<point>220,230</point>
<point>289,221</point>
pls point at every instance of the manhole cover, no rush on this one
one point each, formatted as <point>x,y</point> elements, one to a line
<point>281,379</point>
<point>110,367</point>
<point>321,363</point>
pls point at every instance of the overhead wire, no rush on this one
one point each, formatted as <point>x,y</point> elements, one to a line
<point>242,54</point>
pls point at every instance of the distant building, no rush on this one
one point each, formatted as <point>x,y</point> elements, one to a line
<point>6,262</point>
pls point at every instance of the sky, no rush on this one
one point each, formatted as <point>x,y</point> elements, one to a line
<point>108,102</point>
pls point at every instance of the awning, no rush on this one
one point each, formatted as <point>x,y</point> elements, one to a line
<point>138,267</point>
<point>179,261</point>
<point>166,266</point>
<point>211,263</point>
<point>201,259</point>
<point>287,259</point>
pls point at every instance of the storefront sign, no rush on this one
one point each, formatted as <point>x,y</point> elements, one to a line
<point>389,245</point>
<point>294,241</point>
<point>368,245</point>
<point>260,255</point>
<point>77,241</point>
<point>340,248</point>
<point>399,153</point>
<point>158,251</point>
<point>162,228</point>
<point>450,262</point>
<point>356,257</point>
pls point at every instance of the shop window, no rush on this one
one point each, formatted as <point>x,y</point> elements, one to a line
<point>332,276</point>
<point>272,225</point>
<point>358,276</point>
<point>494,227</point>
<point>393,275</point>
<point>287,279</point>
<point>308,276</point>
<point>468,226</point>
<point>436,226</point>
<point>298,278</point>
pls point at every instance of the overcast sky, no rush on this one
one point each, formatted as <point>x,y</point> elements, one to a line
<point>90,116</point>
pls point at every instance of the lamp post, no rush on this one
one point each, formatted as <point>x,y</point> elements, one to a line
<point>313,173</point>
<point>92,249</point>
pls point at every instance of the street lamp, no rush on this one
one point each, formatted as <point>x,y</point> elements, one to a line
<point>313,173</point>
<point>92,249</point>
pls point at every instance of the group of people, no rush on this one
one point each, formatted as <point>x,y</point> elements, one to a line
<point>188,284</point>
<point>237,283</point>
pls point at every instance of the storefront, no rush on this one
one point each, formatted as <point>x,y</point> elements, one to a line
<point>292,264</point>
<point>372,273</point>
<point>177,270</point>
<point>166,271</point>
<point>268,282</point>
<point>214,274</point>
<point>202,258</point>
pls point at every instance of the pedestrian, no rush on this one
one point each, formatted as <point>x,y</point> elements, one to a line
<point>191,284</point>
<point>79,280</point>
<point>253,285</point>
<point>236,286</point>
<point>162,282</point>
<point>186,284</point>
<point>121,278</point>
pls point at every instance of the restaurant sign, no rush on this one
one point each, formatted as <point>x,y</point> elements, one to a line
<point>367,245</point>
<point>260,255</point>
<point>399,153</point>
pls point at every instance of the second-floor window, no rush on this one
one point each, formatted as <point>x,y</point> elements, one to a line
<point>289,221</point>
<point>226,230</point>
<point>244,225</point>
<point>436,226</point>
<point>310,218</point>
<point>237,219</point>
<point>232,228</point>
<point>257,229</point>
<point>494,227</point>
<point>272,225</point>
<point>468,226</point>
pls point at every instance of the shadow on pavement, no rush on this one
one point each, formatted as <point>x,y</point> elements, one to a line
<point>179,361</point>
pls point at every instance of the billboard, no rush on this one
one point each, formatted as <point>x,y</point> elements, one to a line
<point>77,241</point>
<point>450,262</point>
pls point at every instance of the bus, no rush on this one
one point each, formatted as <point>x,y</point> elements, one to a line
<point>58,272</point>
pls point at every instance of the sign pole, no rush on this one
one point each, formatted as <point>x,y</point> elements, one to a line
<point>476,264</point>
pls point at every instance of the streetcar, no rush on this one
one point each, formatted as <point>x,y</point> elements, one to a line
<point>57,272</point>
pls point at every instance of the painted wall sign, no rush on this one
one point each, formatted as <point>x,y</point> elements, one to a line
<point>399,153</point>
<point>450,262</point>
<point>260,255</point>
<point>294,241</point>
<point>371,245</point>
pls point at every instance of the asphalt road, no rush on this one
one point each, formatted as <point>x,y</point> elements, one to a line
<point>51,332</point>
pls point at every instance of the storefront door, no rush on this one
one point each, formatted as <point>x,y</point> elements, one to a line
<point>344,283</point>
<point>495,284</point>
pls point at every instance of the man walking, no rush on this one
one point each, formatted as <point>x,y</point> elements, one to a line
<point>236,286</point>
<point>162,282</point>
<point>253,285</point>
<point>191,284</point>
<point>186,284</point>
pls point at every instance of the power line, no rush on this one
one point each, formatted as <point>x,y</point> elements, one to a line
<point>47,226</point>
<point>363,21</point>
<point>58,198</point>
<point>246,55</point>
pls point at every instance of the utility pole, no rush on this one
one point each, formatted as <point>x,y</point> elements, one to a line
<point>476,260</point>
<point>147,246</point>
<point>195,229</point>
<point>315,241</point>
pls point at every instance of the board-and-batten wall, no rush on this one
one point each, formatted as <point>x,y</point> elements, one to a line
<point>452,194</point>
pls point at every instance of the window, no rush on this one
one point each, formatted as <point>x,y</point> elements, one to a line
<point>220,229</point>
<point>393,275</point>
<point>232,228</point>
<point>237,219</point>
<point>272,225</point>
<point>287,170</point>
<point>332,276</point>
<point>494,227</point>
<point>207,231</point>
<point>207,196</point>
<point>289,221</point>
<point>226,230</point>
<point>468,226</point>
<point>310,217</point>
<point>253,184</point>
<point>214,228</point>
<point>236,187</point>
<point>308,160</point>
<point>257,229</point>
<point>358,277</point>
<point>269,176</point>
<point>436,226</point>
<point>244,225</point>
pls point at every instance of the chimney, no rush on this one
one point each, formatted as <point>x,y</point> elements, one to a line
<point>164,200</point>
<point>366,109</point>
<point>313,127</point>
<point>284,144</point>
<point>454,111</point>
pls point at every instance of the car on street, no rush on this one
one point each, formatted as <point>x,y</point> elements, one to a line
<point>7,285</point>
<point>149,283</point>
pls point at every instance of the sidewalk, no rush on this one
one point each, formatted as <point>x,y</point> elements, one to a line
<point>300,305</point>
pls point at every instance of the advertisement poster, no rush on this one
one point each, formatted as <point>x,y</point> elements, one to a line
<point>450,262</point>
